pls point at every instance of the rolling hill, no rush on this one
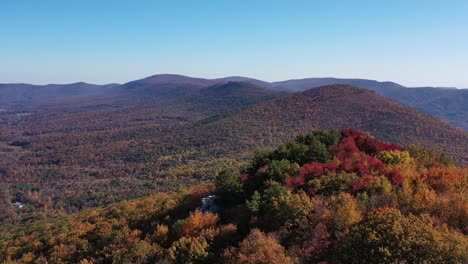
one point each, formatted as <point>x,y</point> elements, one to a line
<point>298,85</point>
<point>172,86</point>
<point>332,107</point>
<point>229,96</point>
<point>448,104</point>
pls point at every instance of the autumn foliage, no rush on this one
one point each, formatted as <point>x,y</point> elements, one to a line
<point>326,210</point>
<point>326,197</point>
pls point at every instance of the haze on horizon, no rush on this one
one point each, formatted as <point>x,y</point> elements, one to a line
<point>413,43</point>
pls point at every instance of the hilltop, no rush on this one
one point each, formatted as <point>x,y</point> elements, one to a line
<point>335,107</point>
<point>324,197</point>
<point>448,104</point>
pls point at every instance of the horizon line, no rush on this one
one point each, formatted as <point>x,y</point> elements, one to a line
<point>232,76</point>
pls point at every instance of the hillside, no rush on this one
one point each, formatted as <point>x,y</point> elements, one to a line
<point>167,86</point>
<point>116,146</point>
<point>334,107</point>
<point>324,197</point>
<point>450,105</point>
<point>229,96</point>
<point>447,104</point>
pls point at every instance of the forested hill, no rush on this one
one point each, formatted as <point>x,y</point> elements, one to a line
<point>448,104</point>
<point>325,197</point>
<point>331,107</point>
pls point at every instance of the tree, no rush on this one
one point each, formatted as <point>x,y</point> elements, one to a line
<point>142,252</point>
<point>292,151</point>
<point>389,237</point>
<point>281,170</point>
<point>260,159</point>
<point>379,186</point>
<point>394,157</point>
<point>318,151</point>
<point>189,250</point>
<point>345,211</point>
<point>274,205</point>
<point>428,158</point>
<point>160,234</point>
<point>333,183</point>
<point>329,138</point>
<point>195,223</point>
<point>442,178</point>
<point>229,188</point>
<point>312,243</point>
<point>258,248</point>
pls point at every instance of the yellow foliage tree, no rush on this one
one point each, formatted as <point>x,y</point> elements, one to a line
<point>258,248</point>
<point>345,211</point>
<point>195,223</point>
<point>394,157</point>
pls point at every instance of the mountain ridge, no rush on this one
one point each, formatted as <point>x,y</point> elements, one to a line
<point>336,107</point>
<point>444,103</point>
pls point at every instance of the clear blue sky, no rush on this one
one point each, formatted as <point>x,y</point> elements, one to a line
<point>410,42</point>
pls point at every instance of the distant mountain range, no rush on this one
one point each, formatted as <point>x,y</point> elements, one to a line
<point>242,114</point>
<point>447,104</point>
<point>22,94</point>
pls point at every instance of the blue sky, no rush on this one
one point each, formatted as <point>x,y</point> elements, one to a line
<point>414,43</point>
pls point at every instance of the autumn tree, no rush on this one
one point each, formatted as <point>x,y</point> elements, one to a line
<point>389,237</point>
<point>394,157</point>
<point>258,248</point>
<point>229,187</point>
<point>189,250</point>
<point>345,211</point>
<point>195,223</point>
<point>333,183</point>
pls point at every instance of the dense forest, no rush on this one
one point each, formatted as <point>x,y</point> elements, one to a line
<point>325,197</point>
<point>161,133</point>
